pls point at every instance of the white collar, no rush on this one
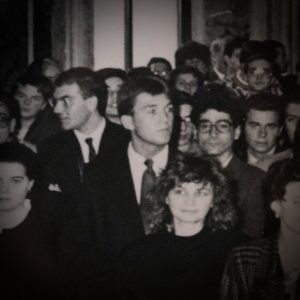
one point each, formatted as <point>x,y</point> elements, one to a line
<point>138,167</point>
<point>96,135</point>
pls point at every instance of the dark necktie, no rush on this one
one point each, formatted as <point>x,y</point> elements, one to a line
<point>92,152</point>
<point>149,203</point>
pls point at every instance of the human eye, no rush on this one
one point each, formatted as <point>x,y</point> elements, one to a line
<point>169,109</point>
<point>291,119</point>
<point>17,180</point>
<point>37,99</point>
<point>252,125</point>
<point>273,126</point>
<point>19,95</point>
<point>178,190</point>
<point>224,125</point>
<point>204,125</point>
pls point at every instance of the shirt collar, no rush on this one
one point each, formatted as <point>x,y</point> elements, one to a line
<point>96,135</point>
<point>253,159</point>
<point>159,160</point>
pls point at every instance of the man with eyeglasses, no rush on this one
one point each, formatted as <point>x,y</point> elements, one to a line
<point>218,124</point>
<point>79,102</point>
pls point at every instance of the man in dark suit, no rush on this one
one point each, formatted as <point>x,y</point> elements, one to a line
<point>88,138</point>
<point>217,119</point>
<point>146,110</point>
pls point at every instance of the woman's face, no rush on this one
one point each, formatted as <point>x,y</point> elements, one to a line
<point>288,209</point>
<point>14,185</point>
<point>190,202</point>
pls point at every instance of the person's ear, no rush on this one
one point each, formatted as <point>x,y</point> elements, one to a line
<point>31,183</point>
<point>276,208</point>
<point>12,125</point>
<point>91,103</point>
<point>237,132</point>
<point>127,122</point>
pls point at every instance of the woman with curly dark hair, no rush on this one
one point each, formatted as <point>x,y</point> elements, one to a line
<point>185,259</point>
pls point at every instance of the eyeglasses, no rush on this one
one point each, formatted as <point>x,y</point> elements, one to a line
<point>222,126</point>
<point>4,120</point>
<point>66,102</point>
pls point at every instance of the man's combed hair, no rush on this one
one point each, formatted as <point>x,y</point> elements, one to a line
<point>88,84</point>
<point>220,98</point>
<point>152,85</point>
<point>185,168</point>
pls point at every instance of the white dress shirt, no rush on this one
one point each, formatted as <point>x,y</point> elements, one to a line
<point>96,135</point>
<point>138,167</point>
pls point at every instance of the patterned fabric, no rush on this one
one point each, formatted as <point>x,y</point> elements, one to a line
<point>149,202</point>
<point>254,271</point>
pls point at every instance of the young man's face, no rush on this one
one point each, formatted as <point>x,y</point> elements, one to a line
<point>187,83</point>
<point>161,69</point>
<point>71,108</point>
<point>31,101</point>
<point>152,120</point>
<point>213,141</point>
<point>262,130</point>
<point>259,75</point>
<point>113,86</point>
<point>14,185</point>
<point>186,126</point>
<point>292,115</point>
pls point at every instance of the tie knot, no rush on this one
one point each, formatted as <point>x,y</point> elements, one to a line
<point>89,141</point>
<point>149,163</point>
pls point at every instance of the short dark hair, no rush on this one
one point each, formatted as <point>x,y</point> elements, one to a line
<point>88,84</point>
<point>14,152</point>
<point>106,73</point>
<point>181,97</point>
<point>189,168</point>
<point>292,96</point>
<point>161,60</point>
<point>259,56</point>
<point>218,97</point>
<point>42,83</point>
<point>265,102</point>
<point>186,70</point>
<point>152,85</point>
<point>192,50</point>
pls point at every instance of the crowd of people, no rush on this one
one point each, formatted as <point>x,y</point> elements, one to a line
<point>153,183</point>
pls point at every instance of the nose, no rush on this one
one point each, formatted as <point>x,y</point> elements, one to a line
<point>262,132</point>
<point>190,200</point>
<point>58,108</point>
<point>213,131</point>
<point>183,125</point>
<point>27,101</point>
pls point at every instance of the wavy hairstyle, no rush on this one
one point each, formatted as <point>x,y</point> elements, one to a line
<point>189,168</point>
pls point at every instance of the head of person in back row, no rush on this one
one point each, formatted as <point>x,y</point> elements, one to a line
<point>79,100</point>
<point>33,92</point>
<point>9,118</point>
<point>114,78</point>
<point>160,66</point>
<point>146,110</point>
<point>196,55</point>
<point>259,70</point>
<point>217,120</point>
<point>263,125</point>
<point>187,79</point>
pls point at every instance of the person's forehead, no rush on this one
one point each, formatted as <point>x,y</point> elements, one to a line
<point>145,100</point>
<point>293,109</point>
<point>292,189</point>
<point>12,169</point>
<point>214,115</point>
<point>186,77</point>
<point>158,66</point>
<point>260,63</point>
<point>67,90</point>
<point>114,81</point>
<point>28,89</point>
<point>263,117</point>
